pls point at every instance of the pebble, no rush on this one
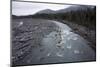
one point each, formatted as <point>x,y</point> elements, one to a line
<point>48,54</point>
<point>59,54</point>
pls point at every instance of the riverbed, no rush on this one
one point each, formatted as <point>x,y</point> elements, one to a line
<point>58,46</point>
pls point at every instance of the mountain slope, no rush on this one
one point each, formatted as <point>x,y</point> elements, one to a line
<point>71,8</point>
<point>46,11</point>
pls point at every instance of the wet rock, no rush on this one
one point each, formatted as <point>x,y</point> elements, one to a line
<point>76,51</point>
<point>48,54</point>
<point>59,54</point>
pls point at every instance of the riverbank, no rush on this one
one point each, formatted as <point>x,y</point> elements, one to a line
<point>41,41</point>
<point>27,34</point>
<point>86,33</point>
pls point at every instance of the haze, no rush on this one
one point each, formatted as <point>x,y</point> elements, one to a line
<point>29,8</point>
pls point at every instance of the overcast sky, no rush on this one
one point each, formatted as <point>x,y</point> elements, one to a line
<point>28,8</point>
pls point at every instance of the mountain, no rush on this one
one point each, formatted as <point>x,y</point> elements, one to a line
<point>46,11</point>
<point>71,8</point>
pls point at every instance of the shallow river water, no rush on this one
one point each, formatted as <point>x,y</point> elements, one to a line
<point>61,46</point>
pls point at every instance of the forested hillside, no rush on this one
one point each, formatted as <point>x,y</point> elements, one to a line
<point>85,17</point>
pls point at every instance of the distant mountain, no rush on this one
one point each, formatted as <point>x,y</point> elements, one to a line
<point>46,11</point>
<point>71,8</point>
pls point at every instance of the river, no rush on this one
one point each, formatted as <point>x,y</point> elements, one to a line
<point>61,46</point>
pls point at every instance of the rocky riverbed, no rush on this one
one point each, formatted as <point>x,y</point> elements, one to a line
<point>40,41</point>
<point>27,34</point>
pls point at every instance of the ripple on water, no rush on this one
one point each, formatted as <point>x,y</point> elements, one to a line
<point>76,51</point>
<point>72,37</point>
<point>69,46</point>
<point>75,38</point>
<point>59,54</point>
